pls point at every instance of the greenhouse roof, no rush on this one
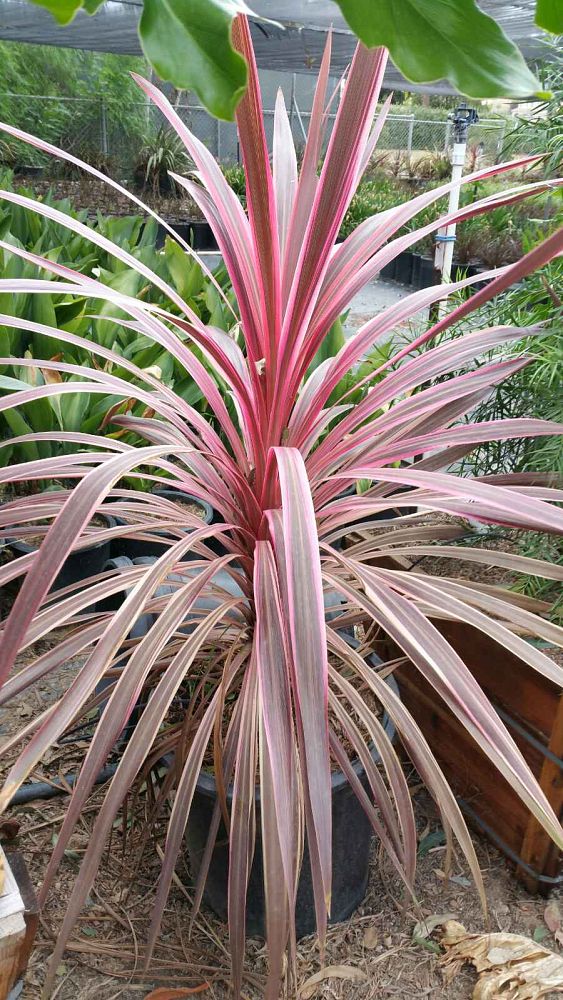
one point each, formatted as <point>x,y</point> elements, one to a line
<point>296,47</point>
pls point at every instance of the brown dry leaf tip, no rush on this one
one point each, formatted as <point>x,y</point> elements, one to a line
<point>371,938</point>
<point>424,928</point>
<point>310,986</point>
<point>176,993</point>
<point>509,965</point>
<point>552,916</point>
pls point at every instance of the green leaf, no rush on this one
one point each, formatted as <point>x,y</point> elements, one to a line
<point>184,271</point>
<point>62,10</point>
<point>539,934</point>
<point>91,6</point>
<point>189,44</point>
<point>435,839</point>
<point>432,39</point>
<point>549,15</point>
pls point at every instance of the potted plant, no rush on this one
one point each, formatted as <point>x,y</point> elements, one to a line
<point>281,689</point>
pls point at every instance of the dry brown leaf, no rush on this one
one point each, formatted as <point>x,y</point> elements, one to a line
<point>311,985</point>
<point>371,938</point>
<point>424,928</point>
<point>509,965</point>
<point>552,916</point>
<point>165,993</point>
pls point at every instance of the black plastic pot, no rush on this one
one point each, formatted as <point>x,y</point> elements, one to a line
<point>202,237</point>
<point>196,232</point>
<point>135,548</point>
<point>415,274</point>
<point>403,267</point>
<point>427,273</point>
<point>472,271</point>
<point>388,272</point>
<point>351,843</point>
<point>78,566</point>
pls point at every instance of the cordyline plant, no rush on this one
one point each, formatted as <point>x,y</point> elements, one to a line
<point>274,687</point>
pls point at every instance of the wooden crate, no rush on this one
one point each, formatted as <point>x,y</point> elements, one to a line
<point>12,927</point>
<point>532,709</point>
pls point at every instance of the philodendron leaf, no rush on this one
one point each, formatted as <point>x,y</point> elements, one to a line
<point>452,39</point>
<point>549,15</point>
<point>189,44</point>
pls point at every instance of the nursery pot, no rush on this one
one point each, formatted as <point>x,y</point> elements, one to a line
<point>415,274</point>
<point>388,273</point>
<point>427,272</point>
<point>79,565</point>
<point>207,602</point>
<point>135,548</point>
<point>351,842</point>
<point>202,237</point>
<point>403,267</point>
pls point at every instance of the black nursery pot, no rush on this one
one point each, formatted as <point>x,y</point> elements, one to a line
<point>79,565</point>
<point>415,273</point>
<point>389,272</point>
<point>202,237</point>
<point>135,548</point>
<point>351,843</point>
<point>427,273</point>
<point>403,267</point>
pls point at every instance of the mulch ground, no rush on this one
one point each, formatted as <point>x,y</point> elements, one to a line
<point>105,958</point>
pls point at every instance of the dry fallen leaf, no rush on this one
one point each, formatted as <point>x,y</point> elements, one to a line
<point>165,993</point>
<point>371,938</point>
<point>552,916</point>
<point>509,965</point>
<point>310,986</point>
<point>424,928</point>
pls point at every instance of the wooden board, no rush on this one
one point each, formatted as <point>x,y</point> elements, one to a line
<point>12,928</point>
<point>535,706</point>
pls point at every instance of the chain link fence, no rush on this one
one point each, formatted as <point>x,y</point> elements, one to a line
<point>114,135</point>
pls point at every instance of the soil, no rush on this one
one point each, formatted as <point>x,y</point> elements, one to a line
<point>189,506</point>
<point>105,958</point>
<point>35,540</point>
<point>85,191</point>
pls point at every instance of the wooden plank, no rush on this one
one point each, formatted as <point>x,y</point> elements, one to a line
<point>12,928</point>
<point>31,907</point>
<point>506,679</point>
<point>467,769</point>
<point>535,703</point>
<point>538,850</point>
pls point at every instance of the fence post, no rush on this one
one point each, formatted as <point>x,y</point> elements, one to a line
<point>500,142</point>
<point>410,135</point>
<point>447,136</point>
<point>104,128</point>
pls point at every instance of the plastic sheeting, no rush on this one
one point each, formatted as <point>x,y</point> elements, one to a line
<point>297,47</point>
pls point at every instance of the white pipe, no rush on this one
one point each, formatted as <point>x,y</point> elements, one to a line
<point>445,241</point>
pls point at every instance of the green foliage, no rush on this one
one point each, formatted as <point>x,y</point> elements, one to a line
<point>189,44</point>
<point>71,79</point>
<point>161,154</point>
<point>432,39</point>
<point>89,319</point>
<point>549,15</point>
<point>234,175</point>
<point>542,132</point>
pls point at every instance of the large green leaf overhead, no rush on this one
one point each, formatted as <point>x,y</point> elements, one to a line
<point>549,15</point>
<point>452,39</point>
<point>188,42</point>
